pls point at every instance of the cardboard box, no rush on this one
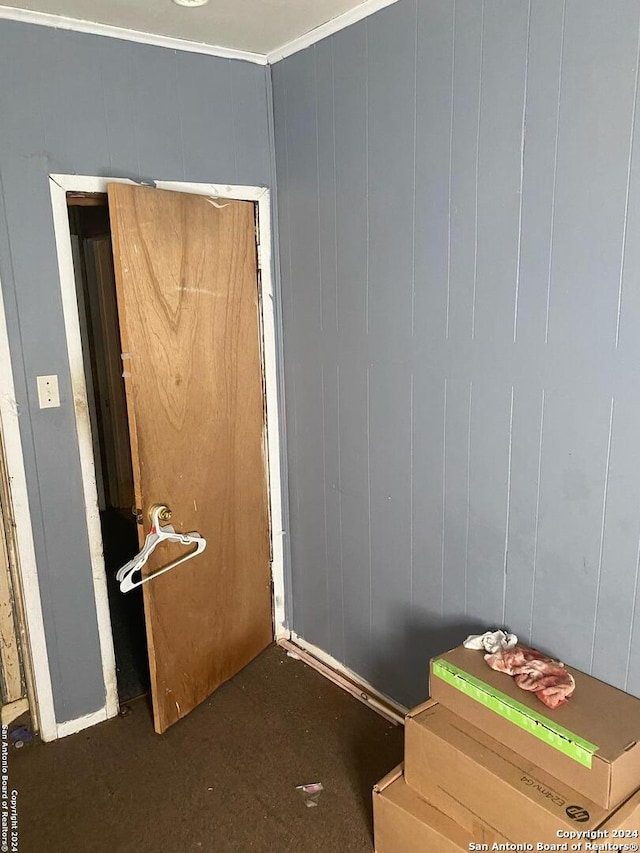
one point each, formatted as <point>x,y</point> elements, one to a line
<point>402,821</point>
<point>480,783</point>
<point>592,743</point>
<point>405,822</point>
<point>624,824</point>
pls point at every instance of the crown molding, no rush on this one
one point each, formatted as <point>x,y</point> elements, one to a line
<point>59,22</point>
<point>358,13</point>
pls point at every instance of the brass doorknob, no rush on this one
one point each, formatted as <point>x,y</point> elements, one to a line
<point>164,513</point>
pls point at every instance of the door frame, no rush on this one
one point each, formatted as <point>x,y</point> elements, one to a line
<point>59,185</point>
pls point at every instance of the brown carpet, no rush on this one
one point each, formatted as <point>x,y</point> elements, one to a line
<point>223,779</point>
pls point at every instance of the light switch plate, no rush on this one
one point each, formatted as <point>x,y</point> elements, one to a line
<point>48,394</point>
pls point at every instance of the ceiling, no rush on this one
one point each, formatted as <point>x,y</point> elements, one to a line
<point>258,26</point>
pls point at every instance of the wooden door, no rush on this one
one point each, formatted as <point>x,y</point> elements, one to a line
<point>187,289</point>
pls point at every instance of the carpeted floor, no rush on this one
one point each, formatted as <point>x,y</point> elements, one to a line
<point>220,781</point>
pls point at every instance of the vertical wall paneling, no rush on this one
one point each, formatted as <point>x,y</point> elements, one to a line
<point>249,124</point>
<point>598,76</point>
<point>207,130</point>
<point>628,314</point>
<point>572,480</point>
<point>526,445</point>
<point>350,122</point>
<point>435,34</point>
<point>546,33</point>
<point>457,414</point>
<point>310,592</point>
<point>432,175</point>
<point>114,61</point>
<point>391,57</point>
<point>499,141</point>
<point>488,500</point>
<point>84,136</point>
<point>503,71</point>
<point>154,88</point>
<point>467,94</point>
<point>619,546</point>
<point>469,190</point>
<point>328,268</point>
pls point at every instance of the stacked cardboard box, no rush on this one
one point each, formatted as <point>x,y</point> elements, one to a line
<point>489,767</point>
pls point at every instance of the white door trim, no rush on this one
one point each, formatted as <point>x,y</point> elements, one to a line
<point>59,186</point>
<point>44,714</point>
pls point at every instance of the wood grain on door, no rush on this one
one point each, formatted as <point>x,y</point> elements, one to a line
<point>188,301</point>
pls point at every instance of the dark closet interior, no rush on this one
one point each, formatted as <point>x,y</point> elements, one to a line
<point>98,314</point>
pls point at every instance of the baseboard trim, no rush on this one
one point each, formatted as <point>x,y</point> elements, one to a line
<point>345,678</point>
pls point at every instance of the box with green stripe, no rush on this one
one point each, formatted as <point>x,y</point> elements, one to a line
<point>592,742</point>
<point>532,721</point>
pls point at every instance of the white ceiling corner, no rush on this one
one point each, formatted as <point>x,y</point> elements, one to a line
<point>257,30</point>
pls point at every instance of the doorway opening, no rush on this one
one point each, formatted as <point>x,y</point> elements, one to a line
<point>219,197</point>
<point>103,368</point>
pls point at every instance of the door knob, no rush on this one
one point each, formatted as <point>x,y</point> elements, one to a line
<point>163,512</point>
<point>157,534</point>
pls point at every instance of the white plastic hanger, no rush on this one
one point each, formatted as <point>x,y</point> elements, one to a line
<point>158,534</point>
